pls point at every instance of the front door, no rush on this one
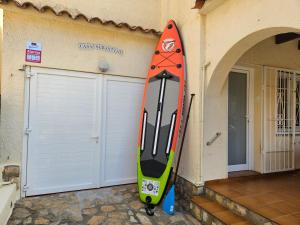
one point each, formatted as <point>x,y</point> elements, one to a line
<point>237,121</point>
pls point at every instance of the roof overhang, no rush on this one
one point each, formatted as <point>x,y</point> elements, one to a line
<point>207,6</point>
<point>78,15</point>
<point>199,4</point>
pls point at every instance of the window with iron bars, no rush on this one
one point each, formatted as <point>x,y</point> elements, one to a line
<point>286,103</point>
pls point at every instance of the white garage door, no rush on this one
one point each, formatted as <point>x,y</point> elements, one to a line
<point>121,120</point>
<point>74,140</point>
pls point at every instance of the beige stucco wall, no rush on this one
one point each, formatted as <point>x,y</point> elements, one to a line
<point>144,13</point>
<point>59,37</point>
<point>232,29</point>
<point>1,41</point>
<point>267,53</point>
<point>188,22</point>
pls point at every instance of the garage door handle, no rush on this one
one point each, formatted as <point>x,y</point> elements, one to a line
<point>96,138</point>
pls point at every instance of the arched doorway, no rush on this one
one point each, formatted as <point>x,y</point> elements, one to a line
<point>232,90</point>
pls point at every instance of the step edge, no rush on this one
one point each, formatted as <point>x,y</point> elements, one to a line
<point>236,203</point>
<point>218,218</point>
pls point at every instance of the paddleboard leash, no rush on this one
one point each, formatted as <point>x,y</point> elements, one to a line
<point>149,207</point>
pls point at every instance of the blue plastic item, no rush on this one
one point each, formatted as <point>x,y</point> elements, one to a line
<point>169,201</point>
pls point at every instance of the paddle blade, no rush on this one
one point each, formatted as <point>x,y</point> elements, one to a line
<point>169,202</point>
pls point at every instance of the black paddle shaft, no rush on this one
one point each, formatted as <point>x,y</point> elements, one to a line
<point>183,136</point>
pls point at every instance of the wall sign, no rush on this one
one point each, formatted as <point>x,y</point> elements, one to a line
<point>33,52</point>
<point>101,47</point>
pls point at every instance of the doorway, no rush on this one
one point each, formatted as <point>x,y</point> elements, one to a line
<point>238,120</point>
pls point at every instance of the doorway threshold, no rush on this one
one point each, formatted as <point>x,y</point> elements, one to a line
<point>243,173</point>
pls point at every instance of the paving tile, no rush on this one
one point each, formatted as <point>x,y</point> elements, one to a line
<point>113,205</point>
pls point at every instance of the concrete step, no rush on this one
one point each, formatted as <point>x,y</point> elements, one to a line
<point>7,200</point>
<point>211,212</point>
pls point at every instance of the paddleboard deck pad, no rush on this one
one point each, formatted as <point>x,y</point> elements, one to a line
<point>160,116</point>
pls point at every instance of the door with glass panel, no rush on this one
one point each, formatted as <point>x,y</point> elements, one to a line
<point>238,120</point>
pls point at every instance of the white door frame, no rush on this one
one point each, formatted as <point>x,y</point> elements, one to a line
<point>25,136</point>
<point>250,117</point>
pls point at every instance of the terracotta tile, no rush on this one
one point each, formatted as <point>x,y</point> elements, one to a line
<point>287,220</point>
<point>284,207</point>
<point>295,201</point>
<point>212,207</point>
<point>269,197</point>
<point>244,223</point>
<point>228,217</point>
<point>198,200</point>
<point>250,202</point>
<point>269,212</point>
<point>297,215</point>
<point>272,196</point>
<point>231,193</point>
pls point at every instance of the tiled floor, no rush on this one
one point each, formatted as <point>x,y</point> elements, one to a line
<point>276,197</point>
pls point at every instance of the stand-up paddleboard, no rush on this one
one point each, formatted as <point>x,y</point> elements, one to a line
<point>160,116</point>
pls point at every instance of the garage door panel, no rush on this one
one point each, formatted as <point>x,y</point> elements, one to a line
<point>122,106</point>
<point>68,113</point>
<point>63,117</point>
